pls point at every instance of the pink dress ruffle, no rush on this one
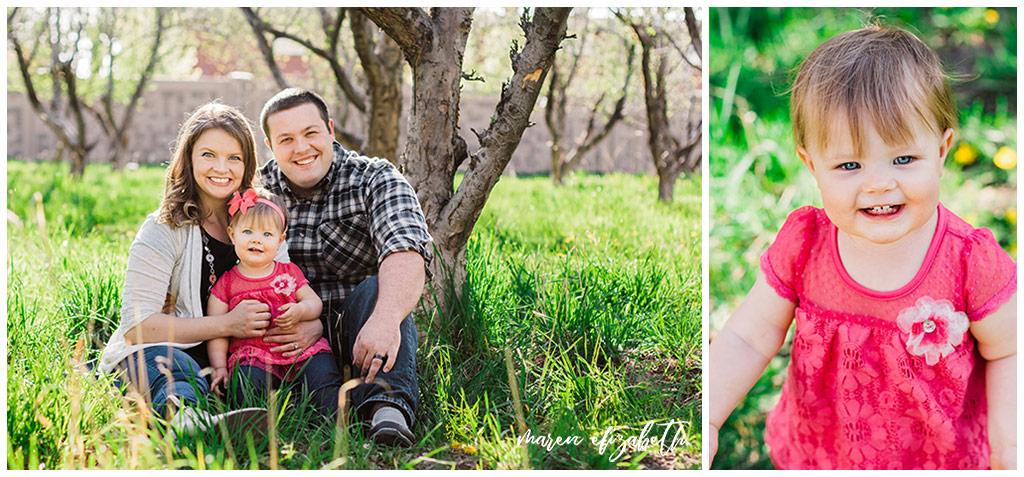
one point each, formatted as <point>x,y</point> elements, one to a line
<point>899,383</point>
<point>275,290</point>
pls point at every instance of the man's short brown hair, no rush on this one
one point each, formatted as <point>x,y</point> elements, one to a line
<point>879,74</point>
<point>290,98</point>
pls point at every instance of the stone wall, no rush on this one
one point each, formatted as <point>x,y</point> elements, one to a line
<point>167,104</point>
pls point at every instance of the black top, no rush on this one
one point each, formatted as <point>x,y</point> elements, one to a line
<point>224,257</point>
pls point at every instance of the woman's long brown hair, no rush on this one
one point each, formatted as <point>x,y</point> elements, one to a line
<point>181,204</point>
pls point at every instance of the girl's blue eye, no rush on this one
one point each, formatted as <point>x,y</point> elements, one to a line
<point>903,160</point>
<point>849,166</point>
<point>207,154</point>
<point>235,158</point>
<point>267,234</point>
<point>247,231</point>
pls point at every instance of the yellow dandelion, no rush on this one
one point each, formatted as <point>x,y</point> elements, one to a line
<point>1006,158</point>
<point>1011,215</point>
<point>456,445</point>
<point>469,450</point>
<point>965,154</point>
<point>991,16</point>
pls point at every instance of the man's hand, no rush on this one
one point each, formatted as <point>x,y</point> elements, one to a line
<point>294,341</point>
<point>377,337</point>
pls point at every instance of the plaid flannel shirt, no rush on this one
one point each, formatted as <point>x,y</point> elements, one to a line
<point>362,211</point>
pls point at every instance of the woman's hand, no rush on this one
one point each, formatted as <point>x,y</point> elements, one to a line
<point>248,319</point>
<point>294,341</point>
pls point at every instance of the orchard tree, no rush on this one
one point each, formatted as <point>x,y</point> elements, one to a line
<point>433,43</point>
<point>674,149</point>
<point>380,99</point>
<point>567,153</point>
<point>95,63</point>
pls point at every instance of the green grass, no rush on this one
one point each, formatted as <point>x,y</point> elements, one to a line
<point>589,294</point>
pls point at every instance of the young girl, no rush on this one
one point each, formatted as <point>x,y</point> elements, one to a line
<point>904,352</point>
<point>257,228</point>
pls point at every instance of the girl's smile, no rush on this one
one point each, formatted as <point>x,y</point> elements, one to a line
<point>256,243</point>
<point>887,193</point>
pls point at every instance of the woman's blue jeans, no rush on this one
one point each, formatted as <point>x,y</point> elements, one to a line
<point>167,371</point>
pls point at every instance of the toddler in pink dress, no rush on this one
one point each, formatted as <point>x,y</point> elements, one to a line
<point>904,350</point>
<point>257,230</point>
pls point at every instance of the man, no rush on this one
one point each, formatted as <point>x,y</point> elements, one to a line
<point>357,232</point>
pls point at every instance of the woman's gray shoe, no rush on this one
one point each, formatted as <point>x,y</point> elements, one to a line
<point>388,427</point>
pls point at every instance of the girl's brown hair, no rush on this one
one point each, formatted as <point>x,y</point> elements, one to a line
<point>879,74</point>
<point>181,204</point>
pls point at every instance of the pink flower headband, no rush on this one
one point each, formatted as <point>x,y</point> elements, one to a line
<point>241,202</point>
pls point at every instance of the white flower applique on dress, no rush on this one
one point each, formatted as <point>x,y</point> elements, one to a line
<point>933,327</point>
<point>283,284</point>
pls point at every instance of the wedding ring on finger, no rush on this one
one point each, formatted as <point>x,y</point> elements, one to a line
<point>382,359</point>
<point>295,345</point>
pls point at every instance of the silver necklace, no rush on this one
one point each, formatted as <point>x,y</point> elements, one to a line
<point>209,261</point>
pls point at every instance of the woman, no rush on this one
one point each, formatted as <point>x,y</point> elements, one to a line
<point>179,252</point>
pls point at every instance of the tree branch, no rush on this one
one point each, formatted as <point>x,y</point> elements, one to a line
<point>591,140</point>
<point>411,28</point>
<point>266,49</point>
<point>694,28</point>
<point>544,33</point>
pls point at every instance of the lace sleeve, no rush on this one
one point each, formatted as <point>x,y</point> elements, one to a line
<point>990,275</point>
<point>781,263</point>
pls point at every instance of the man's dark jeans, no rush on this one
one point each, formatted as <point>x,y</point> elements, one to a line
<point>401,384</point>
<point>318,378</point>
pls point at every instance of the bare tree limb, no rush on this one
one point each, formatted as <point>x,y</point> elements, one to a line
<point>411,28</point>
<point>266,49</point>
<point>694,29</point>
<point>355,97</point>
<point>544,32</point>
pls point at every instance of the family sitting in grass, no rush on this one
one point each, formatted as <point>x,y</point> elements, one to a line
<point>215,297</point>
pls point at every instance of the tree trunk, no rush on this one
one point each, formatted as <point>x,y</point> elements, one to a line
<point>557,172</point>
<point>667,184</point>
<point>78,159</point>
<point>434,45</point>
<point>382,65</point>
<point>386,104</point>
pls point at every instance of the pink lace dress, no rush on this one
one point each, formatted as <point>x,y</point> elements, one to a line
<point>275,290</point>
<point>884,380</point>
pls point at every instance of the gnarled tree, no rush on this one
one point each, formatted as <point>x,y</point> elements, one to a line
<point>567,157</point>
<point>674,149</point>
<point>381,62</point>
<point>433,44</point>
<point>85,49</point>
